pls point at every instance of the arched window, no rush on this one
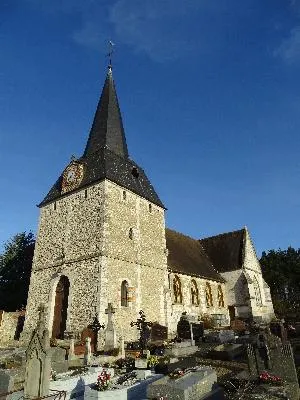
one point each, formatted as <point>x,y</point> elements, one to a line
<point>208,295</point>
<point>177,290</point>
<point>257,293</point>
<point>124,294</point>
<point>220,296</point>
<point>130,233</point>
<point>194,292</point>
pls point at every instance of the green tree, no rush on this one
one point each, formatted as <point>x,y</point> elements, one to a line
<point>15,270</point>
<point>281,270</point>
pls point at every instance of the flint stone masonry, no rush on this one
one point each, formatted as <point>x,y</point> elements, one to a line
<point>193,310</point>
<point>96,246</point>
<point>84,235</point>
<point>8,326</point>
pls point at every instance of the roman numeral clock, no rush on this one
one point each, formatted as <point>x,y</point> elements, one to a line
<point>72,177</point>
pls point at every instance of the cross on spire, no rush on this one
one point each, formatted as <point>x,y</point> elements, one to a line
<point>110,52</point>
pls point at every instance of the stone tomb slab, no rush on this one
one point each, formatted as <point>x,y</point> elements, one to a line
<point>192,386</point>
<point>226,352</point>
<point>134,392</point>
<point>181,349</point>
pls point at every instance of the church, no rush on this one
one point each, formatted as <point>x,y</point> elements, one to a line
<point>102,239</point>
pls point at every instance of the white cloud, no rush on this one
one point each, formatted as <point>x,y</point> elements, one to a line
<point>93,36</point>
<point>289,50</point>
<point>162,29</point>
<point>155,27</point>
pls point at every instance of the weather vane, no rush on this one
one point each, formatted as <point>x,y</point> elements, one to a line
<point>110,51</point>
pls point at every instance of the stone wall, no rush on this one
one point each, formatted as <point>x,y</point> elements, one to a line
<point>138,257</point>
<point>252,268</point>
<point>99,237</point>
<point>8,326</point>
<point>187,306</point>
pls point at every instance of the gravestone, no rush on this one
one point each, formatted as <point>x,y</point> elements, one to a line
<point>7,379</point>
<point>238,325</point>
<point>276,358</point>
<point>122,347</point>
<point>278,330</point>
<point>143,326</point>
<point>95,326</point>
<point>181,349</point>
<point>191,386</point>
<point>38,360</point>
<point>219,320</point>
<point>88,332</point>
<point>142,371</point>
<point>226,352</point>
<point>88,351</point>
<point>110,332</point>
<point>158,332</point>
<point>58,359</point>
<point>184,327</point>
<point>198,330</point>
<point>221,336</point>
<point>71,355</point>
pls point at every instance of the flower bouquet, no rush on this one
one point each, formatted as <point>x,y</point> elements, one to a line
<point>152,361</point>
<point>266,377</point>
<point>177,373</point>
<point>103,381</point>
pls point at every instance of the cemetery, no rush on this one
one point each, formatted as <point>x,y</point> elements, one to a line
<point>225,363</point>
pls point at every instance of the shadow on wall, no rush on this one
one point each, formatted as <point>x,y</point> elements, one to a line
<point>241,290</point>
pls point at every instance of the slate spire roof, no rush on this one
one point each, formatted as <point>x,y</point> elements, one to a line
<point>107,129</point>
<point>106,154</point>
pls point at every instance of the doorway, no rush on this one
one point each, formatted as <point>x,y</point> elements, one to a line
<point>231,310</point>
<point>60,308</point>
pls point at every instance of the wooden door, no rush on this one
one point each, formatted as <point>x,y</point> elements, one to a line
<point>231,310</point>
<point>60,308</point>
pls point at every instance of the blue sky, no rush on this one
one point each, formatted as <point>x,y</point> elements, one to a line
<point>209,92</point>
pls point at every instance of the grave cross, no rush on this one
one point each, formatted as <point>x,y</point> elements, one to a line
<point>110,310</point>
<point>96,326</point>
<point>143,326</point>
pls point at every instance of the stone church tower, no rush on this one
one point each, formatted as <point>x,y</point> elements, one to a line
<point>101,236</point>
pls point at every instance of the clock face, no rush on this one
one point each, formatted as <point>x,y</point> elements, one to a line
<point>72,177</point>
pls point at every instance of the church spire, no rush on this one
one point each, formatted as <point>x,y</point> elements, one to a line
<point>105,155</point>
<point>107,130</point>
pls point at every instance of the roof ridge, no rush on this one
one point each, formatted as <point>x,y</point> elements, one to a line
<point>182,234</point>
<point>223,234</point>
